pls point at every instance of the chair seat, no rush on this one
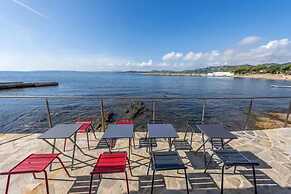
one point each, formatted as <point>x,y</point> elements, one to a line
<point>124,121</point>
<point>34,163</point>
<point>182,145</point>
<point>85,126</point>
<point>234,158</point>
<point>146,142</point>
<point>167,161</point>
<point>103,143</point>
<point>110,163</point>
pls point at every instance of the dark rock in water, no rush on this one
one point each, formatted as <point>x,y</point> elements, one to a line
<point>108,118</point>
<point>136,109</point>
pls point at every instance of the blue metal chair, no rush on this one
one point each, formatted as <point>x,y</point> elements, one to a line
<point>161,161</point>
<point>233,158</point>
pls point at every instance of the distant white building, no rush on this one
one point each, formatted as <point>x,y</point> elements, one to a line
<point>220,74</point>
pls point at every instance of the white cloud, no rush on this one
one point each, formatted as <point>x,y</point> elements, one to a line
<point>276,44</point>
<point>249,40</point>
<point>277,51</point>
<point>191,56</point>
<point>172,56</point>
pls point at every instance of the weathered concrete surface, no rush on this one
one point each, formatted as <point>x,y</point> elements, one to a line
<point>271,147</point>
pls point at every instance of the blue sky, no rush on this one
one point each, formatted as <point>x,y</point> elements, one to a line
<point>114,35</point>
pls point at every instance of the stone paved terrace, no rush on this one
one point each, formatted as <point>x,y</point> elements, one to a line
<point>271,147</point>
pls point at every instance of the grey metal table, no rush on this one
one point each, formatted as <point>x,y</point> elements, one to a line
<point>156,131</point>
<point>214,131</point>
<point>64,131</point>
<point>119,131</point>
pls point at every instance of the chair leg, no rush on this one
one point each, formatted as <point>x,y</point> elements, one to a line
<point>222,176</point>
<point>127,182</point>
<point>33,174</point>
<point>255,181</point>
<point>208,163</point>
<point>46,182</point>
<point>234,170</point>
<point>129,167</point>
<point>63,166</point>
<point>186,179</point>
<point>133,139</point>
<point>153,180</point>
<point>65,144</point>
<point>7,184</point>
<point>93,131</point>
<point>149,166</point>
<point>88,144</point>
<point>91,180</point>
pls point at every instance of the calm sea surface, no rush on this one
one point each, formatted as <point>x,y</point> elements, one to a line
<point>29,115</point>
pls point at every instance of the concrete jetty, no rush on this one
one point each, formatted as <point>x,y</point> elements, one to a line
<point>15,85</point>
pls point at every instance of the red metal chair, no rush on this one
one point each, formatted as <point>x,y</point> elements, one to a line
<point>86,127</point>
<point>125,121</point>
<point>108,163</point>
<point>34,163</point>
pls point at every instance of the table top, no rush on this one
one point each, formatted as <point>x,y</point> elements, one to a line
<point>216,131</point>
<point>115,131</point>
<point>61,131</point>
<point>162,131</point>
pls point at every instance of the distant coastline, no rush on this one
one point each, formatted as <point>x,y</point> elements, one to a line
<point>268,71</point>
<point>266,76</point>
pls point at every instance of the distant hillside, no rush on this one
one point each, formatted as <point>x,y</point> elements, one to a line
<point>272,68</point>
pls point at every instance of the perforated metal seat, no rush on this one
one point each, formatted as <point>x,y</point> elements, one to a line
<point>114,162</point>
<point>181,144</point>
<point>171,160</point>
<point>34,163</point>
<point>234,158</point>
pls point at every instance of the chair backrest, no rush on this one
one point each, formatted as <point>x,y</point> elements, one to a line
<point>124,121</point>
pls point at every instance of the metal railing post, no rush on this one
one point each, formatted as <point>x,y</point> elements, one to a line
<point>102,116</point>
<point>203,111</point>
<point>49,118</point>
<point>288,113</point>
<point>154,111</point>
<point>248,115</point>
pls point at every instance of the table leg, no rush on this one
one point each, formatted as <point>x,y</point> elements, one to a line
<point>170,144</point>
<point>203,144</point>
<point>191,139</point>
<point>151,146</point>
<point>204,150</point>
<point>76,145</point>
<point>129,148</point>
<point>53,151</point>
<point>66,155</point>
<point>74,150</point>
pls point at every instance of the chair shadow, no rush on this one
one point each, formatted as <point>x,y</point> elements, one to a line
<point>102,144</point>
<point>197,160</point>
<point>145,183</point>
<point>202,182</point>
<point>82,185</point>
<point>262,179</point>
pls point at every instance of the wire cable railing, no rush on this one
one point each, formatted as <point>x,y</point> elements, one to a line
<point>154,101</point>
